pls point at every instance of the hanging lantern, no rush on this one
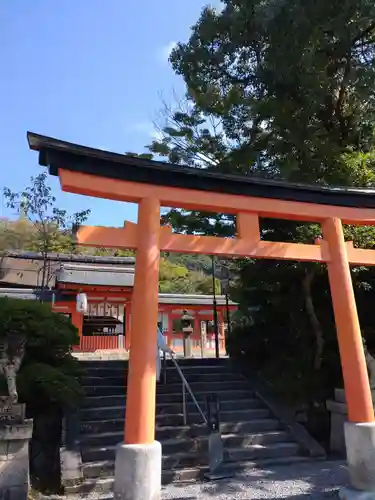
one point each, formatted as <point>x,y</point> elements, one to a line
<point>82,303</point>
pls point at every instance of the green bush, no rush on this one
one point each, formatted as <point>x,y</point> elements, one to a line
<point>49,375</point>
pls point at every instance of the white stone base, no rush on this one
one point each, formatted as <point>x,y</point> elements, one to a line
<point>360,452</point>
<point>138,472</point>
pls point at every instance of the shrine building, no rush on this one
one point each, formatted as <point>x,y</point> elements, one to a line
<point>108,284</point>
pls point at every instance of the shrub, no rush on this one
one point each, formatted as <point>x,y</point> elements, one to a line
<point>49,375</point>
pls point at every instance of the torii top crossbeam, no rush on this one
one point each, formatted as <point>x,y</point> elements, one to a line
<point>304,202</point>
<point>152,185</point>
<point>103,174</point>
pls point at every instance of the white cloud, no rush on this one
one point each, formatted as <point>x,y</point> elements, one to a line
<point>146,128</point>
<point>165,51</point>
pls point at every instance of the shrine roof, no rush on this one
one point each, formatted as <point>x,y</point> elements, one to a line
<point>55,154</point>
<point>24,269</point>
<point>164,298</point>
<point>32,294</point>
<point>93,275</point>
<point>72,258</point>
<point>182,299</point>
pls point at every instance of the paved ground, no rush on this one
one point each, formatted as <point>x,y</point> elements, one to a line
<point>298,482</point>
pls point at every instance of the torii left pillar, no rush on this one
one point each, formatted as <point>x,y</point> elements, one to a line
<point>138,459</point>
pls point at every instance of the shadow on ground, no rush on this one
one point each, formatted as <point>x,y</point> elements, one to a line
<point>314,480</point>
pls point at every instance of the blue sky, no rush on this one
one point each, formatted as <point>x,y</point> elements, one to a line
<point>89,72</point>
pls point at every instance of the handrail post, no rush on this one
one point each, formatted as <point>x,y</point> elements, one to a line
<point>164,368</point>
<point>188,388</point>
<point>184,409</point>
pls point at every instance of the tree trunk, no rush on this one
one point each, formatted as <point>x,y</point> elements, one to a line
<point>315,323</point>
<point>44,270</point>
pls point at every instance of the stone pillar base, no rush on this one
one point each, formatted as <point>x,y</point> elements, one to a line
<point>138,472</point>
<point>14,460</point>
<point>360,452</point>
<point>350,494</point>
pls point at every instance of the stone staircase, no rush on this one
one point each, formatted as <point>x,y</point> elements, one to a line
<point>251,434</point>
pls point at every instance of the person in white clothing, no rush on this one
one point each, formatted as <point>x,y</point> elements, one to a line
<point>162,346</point>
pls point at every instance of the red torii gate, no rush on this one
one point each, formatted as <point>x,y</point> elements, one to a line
<point>152,185</point>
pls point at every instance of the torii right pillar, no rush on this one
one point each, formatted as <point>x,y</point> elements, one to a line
<point>360,428</point>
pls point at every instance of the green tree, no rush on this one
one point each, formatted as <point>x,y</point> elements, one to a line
<point>174,278</point>
<point>304,116</point>
<point>287,105</point>
<point>49,375</point>
<point>16,235</point>
<point>282,90</point>
<point>177,278</point>
<point>49,379</point>
<point>52,226</point>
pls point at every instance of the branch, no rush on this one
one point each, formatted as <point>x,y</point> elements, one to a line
<point>340,100</point>
<point>363,33</point>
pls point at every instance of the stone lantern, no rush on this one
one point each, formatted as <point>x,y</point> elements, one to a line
<point>187,326</point>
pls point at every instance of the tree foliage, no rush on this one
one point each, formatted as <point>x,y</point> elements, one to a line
<point>49,375</point>
<point>177,278</point>
<point>281,89</point>
<point>275,89</point>
<point>290,81</point>
<point>51,226</point>
<point>178,273</point>
<point>43,227</point>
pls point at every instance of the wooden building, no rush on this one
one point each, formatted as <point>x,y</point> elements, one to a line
<point>108,283</point>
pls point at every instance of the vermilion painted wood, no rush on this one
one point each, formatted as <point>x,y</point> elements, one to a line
<point>149,239</point>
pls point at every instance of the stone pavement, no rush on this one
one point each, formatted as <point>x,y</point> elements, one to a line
<point>315,481</point>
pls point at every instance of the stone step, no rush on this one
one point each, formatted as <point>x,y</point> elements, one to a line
<point>170,408</point>
<point>184,362</point>
<point>114,429</point>
<point>217,387</point>
<point>197,444</point>
<point>103,371</point>
<point>198,361</point>
<point>189,459</point>
<point>207,387</point>
<point>120,399</point>
<point>92,384</point>
<point>115,413</point>
<point>202,376</point>
<point>173,377</point>
<point>251,452</point>
<point>200,445</point>
<point>102,487</point>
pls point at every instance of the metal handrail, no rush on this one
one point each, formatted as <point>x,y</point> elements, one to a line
<point>185,386</point>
